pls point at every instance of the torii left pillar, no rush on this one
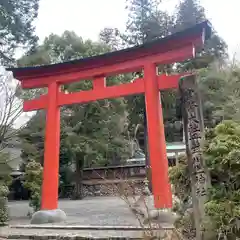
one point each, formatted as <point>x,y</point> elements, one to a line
<point>49,203</point>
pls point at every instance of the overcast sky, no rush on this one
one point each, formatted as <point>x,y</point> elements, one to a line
<point>88,17</point>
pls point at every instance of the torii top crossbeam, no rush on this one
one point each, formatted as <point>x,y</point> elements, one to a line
<point>174,48</point>
<point>111,63</point>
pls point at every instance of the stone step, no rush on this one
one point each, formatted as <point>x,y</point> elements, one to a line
<point>55,226</point>
<point>42,232</point>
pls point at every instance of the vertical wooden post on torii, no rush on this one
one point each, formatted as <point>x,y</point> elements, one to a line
<point>174,48</point>
<point>51,150</point>
<point>156,139</point>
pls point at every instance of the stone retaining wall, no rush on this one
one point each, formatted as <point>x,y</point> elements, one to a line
<point>114,189</point>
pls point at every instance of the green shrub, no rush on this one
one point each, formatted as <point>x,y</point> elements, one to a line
<point>5,181</point>
<point>222,155</point>
<point>3,205</point>
<point>33,182</point>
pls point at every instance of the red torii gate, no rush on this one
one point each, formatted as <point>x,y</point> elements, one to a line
<point>174,48</point>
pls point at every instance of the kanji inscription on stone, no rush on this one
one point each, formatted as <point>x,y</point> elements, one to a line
<point>194,134</point>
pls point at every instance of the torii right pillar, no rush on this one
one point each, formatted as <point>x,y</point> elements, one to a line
<point>156,139</point>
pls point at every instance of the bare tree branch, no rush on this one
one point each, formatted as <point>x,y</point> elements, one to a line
<point>10,106</point>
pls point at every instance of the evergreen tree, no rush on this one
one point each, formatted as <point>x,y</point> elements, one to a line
<point>16,27</point>
<point>219,88</point>
<point>32,136</point>
<point>146,22</point>
<point>189,13</point>
<point>111,37</point>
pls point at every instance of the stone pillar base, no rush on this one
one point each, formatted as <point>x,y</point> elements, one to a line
<point>144,206</point>
<point>48,216</point>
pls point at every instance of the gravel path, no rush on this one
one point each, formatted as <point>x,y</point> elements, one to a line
<point>94,211</point>
<point>100,211</point>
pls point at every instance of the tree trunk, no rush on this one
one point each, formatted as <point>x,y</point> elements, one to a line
<point>77,195</point>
